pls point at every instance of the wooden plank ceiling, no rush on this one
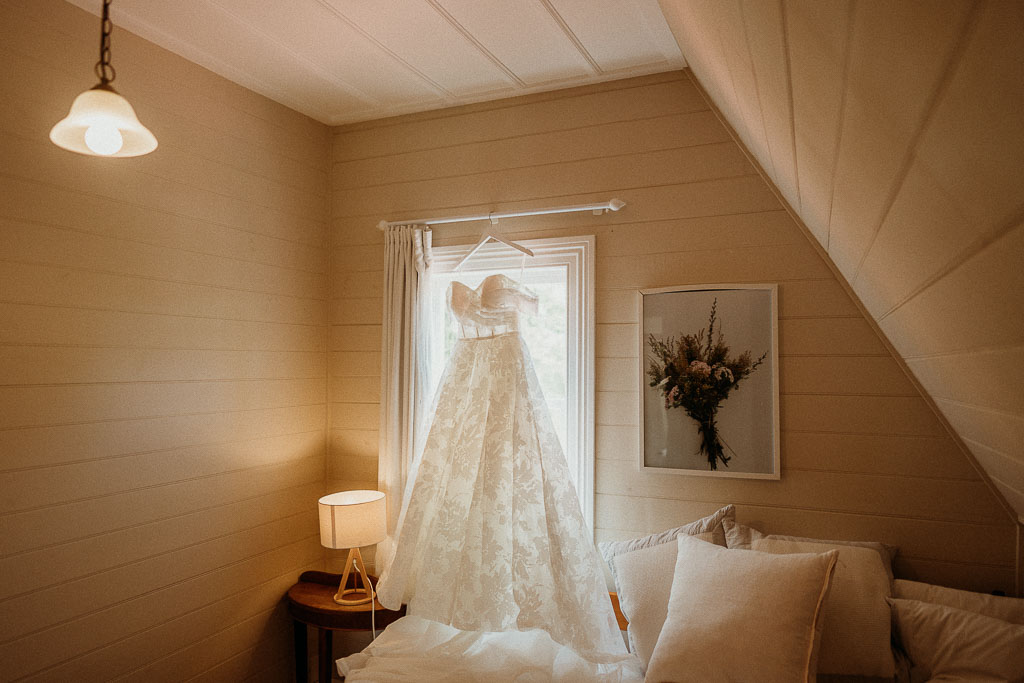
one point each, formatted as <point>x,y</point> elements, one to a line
<point>341,61</point>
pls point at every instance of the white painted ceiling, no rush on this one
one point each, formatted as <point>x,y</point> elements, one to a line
<point>341,61</point>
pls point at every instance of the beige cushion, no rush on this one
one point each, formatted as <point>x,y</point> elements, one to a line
<point>741,615</point>
<point>645,582</point>
<point>856,620</point>
<point>742,537</point>
<point>949,644</point>
<point>996,606</point>
<point>710,524</point>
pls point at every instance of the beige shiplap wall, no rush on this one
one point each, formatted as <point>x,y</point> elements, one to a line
<point>162,368</point>
<point>863,455</point>
<point>893,129</point>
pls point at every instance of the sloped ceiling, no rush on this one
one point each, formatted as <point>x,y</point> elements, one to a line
<point>896,131</point>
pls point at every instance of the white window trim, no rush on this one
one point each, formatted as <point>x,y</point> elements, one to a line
<point>577,254</point>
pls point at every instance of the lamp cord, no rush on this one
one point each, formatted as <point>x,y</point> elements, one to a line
<point>370,588</point>
<point>373,607</point>
<point>373,617</point>
<point>103,67</point>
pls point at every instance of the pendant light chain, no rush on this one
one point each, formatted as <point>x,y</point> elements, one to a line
<point>103,69</point>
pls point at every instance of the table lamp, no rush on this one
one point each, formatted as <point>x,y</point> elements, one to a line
<point>353,519</point>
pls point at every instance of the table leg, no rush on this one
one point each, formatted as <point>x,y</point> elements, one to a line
<point>325,654</point>
<point>301,653</point>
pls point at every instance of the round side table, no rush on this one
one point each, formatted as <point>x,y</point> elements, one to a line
<point>311,603</point>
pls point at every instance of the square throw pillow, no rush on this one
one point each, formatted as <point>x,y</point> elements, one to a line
<point>995,606</point>
<point>949,644</point>
<point>743,536</point>
<point>856,620</point>
<point>645,582</point>
<point>711,524</point>
<point>741,615</point>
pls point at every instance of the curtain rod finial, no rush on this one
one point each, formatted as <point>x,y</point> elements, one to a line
<point>616,204</point>
<point>383,225</point>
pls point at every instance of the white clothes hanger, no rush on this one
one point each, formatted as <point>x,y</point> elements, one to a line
<point>487,237</point>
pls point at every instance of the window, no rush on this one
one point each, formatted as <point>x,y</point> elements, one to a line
<point>559,338</point>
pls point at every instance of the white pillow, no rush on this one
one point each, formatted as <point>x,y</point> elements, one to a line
<point>645,582</point>
<point>739,535</point>
<point>995,606</point>
<point>742,536</point>
<point>949,644</point>
<point>741,615</point>
<point>856,620</point>
<point>710,524</point>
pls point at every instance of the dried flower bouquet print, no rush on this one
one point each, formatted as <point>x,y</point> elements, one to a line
<point>696,373</point>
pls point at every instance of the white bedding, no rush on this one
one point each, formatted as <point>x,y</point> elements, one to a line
<point>417,649</point>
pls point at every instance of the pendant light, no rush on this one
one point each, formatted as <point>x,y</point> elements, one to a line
<point>101,122</point>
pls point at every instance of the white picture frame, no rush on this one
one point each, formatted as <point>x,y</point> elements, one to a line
<point>745,424</point>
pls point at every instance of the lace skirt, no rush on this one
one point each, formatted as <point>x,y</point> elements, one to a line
<point>491,536</point>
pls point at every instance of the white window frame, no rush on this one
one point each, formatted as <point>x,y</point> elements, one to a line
<point>576,254</point>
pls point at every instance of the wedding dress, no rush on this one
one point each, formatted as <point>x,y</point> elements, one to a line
<point>491,536</point>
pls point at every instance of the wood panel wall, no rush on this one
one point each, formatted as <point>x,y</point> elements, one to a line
<point>162,368</point>
<point>893,128</point>
<point>863,455</point>
<point>180,334</point>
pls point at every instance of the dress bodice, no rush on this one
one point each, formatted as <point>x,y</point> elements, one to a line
<point>491,309</point>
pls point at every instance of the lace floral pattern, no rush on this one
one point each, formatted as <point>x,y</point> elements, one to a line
<point>491,536</point>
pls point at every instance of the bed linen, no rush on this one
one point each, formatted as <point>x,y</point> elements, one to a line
<point>417,649</point>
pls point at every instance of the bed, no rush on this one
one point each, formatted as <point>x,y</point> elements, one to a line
<point>714,600</point>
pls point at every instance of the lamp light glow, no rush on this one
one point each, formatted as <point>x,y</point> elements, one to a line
<point>108,116</point>
<point>103,138</point>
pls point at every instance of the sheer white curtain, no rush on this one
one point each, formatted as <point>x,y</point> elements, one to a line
<point>403,378</point>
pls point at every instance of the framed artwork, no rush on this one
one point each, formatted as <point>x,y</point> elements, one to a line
<point>709,380</point>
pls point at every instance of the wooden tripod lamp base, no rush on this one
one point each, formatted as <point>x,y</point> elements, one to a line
<point>359,596</point>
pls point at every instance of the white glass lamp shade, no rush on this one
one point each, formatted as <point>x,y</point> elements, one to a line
<point>353,519</point>
<point>102,123</point>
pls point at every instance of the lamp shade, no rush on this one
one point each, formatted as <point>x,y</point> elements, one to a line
<point>102,123</point>
<point>352,519</point>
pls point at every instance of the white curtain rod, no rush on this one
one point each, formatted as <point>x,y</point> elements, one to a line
<point>598,209</point>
